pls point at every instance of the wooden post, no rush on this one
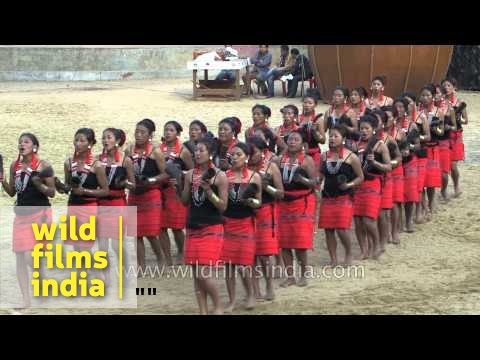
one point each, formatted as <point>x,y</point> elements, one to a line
<point>238,91</point>
<point>194,84</point>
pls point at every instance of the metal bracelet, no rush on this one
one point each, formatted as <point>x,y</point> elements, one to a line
<point>214,198</point>
<point>255,202</point>
<point>271,190</point>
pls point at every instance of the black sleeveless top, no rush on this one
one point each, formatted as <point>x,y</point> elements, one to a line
<point>308,133</point>
<point>90,182</point>
<point>458,119</point>
<point>114,174</point>
<point>433,135</point>
<point>266,197</point>
<point>446,133</point>
<point>201,211</point>
<point>235,209</point>
<point>422,152</point>
<point>149,169</point>
<point>190,146</point>
<point>27,193</point>
<point>370,171</point>
<point>407,159</point>
<point>335,176</point>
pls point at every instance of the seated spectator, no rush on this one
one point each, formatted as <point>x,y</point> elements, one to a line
<point>284,66</point>
<point>301,70</point>
<point>261,62</point>
<point>229,75</point>
<point>217,55</point>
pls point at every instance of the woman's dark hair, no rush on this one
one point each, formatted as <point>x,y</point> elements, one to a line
<point>293,107</point>
<point>258,142</point>
<point>176,125</point>
<point>294,51</point>
<point>200,124</point>
<point>311,96</point>
<point>344,91</point>
<point>442,89</point>
<point>361,91</point>
<point>149,124</point>
<point>300,133</point>
<point>284,47</point>
<point>245,148</point>
<point>32,137</point>
<point>410,95</point>
<point>451,80</point>
<point>264,109</point>
<point>404,103</point>
<point>381,78</point>
<point>209,143</point>
<point>429,87</point>
<point>340,128</point>
<point>370,119</point>
<point>118,134</point>
<point>387,108</point>
<point>345,120</point>
<point>89,134</point>
<point>382,114</point>
<point>234,123</point>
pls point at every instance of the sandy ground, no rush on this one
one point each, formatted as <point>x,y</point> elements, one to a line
<point>435,270</point>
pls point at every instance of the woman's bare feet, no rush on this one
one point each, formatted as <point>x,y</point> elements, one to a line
<point>428,216</point>
<point>302,282</point>
<point>396,239</point>
<point>288,282</point>
<point>229,307</point>
<point>348,260</point>
<point>410,227</point>
<point>332,263</point>
<point>270,295</point>
<point>25,304</point>
<point>251,302</point>
<point>218,311</point>
<point>445,196</point>
<point>378,253</point>
<point>362,256</point>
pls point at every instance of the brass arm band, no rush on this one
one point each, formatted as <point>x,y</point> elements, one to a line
<point>271,190</point>
<point>214,198</point>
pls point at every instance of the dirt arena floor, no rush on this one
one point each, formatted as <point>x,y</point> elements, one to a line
<point>435,270</point>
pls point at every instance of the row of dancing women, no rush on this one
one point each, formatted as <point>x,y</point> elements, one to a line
<point>243,203</point>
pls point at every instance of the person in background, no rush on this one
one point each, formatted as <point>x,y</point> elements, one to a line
<point>217,55</point>
<point>377,98</point>
<point>284,66</point>
<point>261,62</point>
<point>229,53</point>
<point>300,70</point>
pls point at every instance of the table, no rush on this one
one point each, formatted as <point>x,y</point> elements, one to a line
<point>217,87</point>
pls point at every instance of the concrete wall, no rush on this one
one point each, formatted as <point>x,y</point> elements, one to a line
<point>100,62</point>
